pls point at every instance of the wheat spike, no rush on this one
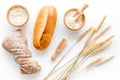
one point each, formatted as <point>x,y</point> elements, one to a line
<point>105,60</point>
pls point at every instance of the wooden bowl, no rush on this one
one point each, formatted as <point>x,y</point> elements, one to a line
<point>10,14</point>
<point>72,28</point>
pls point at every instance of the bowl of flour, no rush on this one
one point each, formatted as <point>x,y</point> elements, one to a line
<point>17,15</point>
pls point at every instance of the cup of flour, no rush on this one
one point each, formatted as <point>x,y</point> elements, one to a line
<point>17,16</point>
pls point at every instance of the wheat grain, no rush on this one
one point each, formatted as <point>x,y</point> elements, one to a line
<point>101,33</point>
<point>105,60</point>
<point>93,62</point>
<point>101,48</point>
<point>102,21</point>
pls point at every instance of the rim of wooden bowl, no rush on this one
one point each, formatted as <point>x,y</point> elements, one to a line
<point>17,6</point>
<point>83,20</point>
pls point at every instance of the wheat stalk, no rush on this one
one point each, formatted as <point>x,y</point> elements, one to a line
<point>78,40</point>
<point>102,21</point>
<point>101,33</point>
<point>105,60</point>
<point>93,62</point>
<point>90,48</point>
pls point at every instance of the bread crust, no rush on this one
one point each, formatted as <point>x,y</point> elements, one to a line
<point>44,27</point>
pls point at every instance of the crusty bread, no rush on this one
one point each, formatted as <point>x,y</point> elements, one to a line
<point>44,27</point>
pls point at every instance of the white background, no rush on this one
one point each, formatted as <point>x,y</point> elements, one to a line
<point>9,69</point>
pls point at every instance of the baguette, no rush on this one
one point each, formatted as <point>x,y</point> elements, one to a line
<point>44,27</point>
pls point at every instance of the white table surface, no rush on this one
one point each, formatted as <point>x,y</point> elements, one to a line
<point>9,69</point>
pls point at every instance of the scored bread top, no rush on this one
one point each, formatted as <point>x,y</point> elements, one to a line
<point>44,27</point>
<point>40,26</point>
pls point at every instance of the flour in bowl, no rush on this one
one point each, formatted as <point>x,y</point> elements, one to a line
<point>18,16</point>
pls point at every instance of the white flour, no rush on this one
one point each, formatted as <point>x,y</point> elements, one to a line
<point>70,20</point>
<point>18,16</point>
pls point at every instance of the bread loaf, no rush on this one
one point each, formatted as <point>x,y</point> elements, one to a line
<point>44,27</point>
<point>16,43</point>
